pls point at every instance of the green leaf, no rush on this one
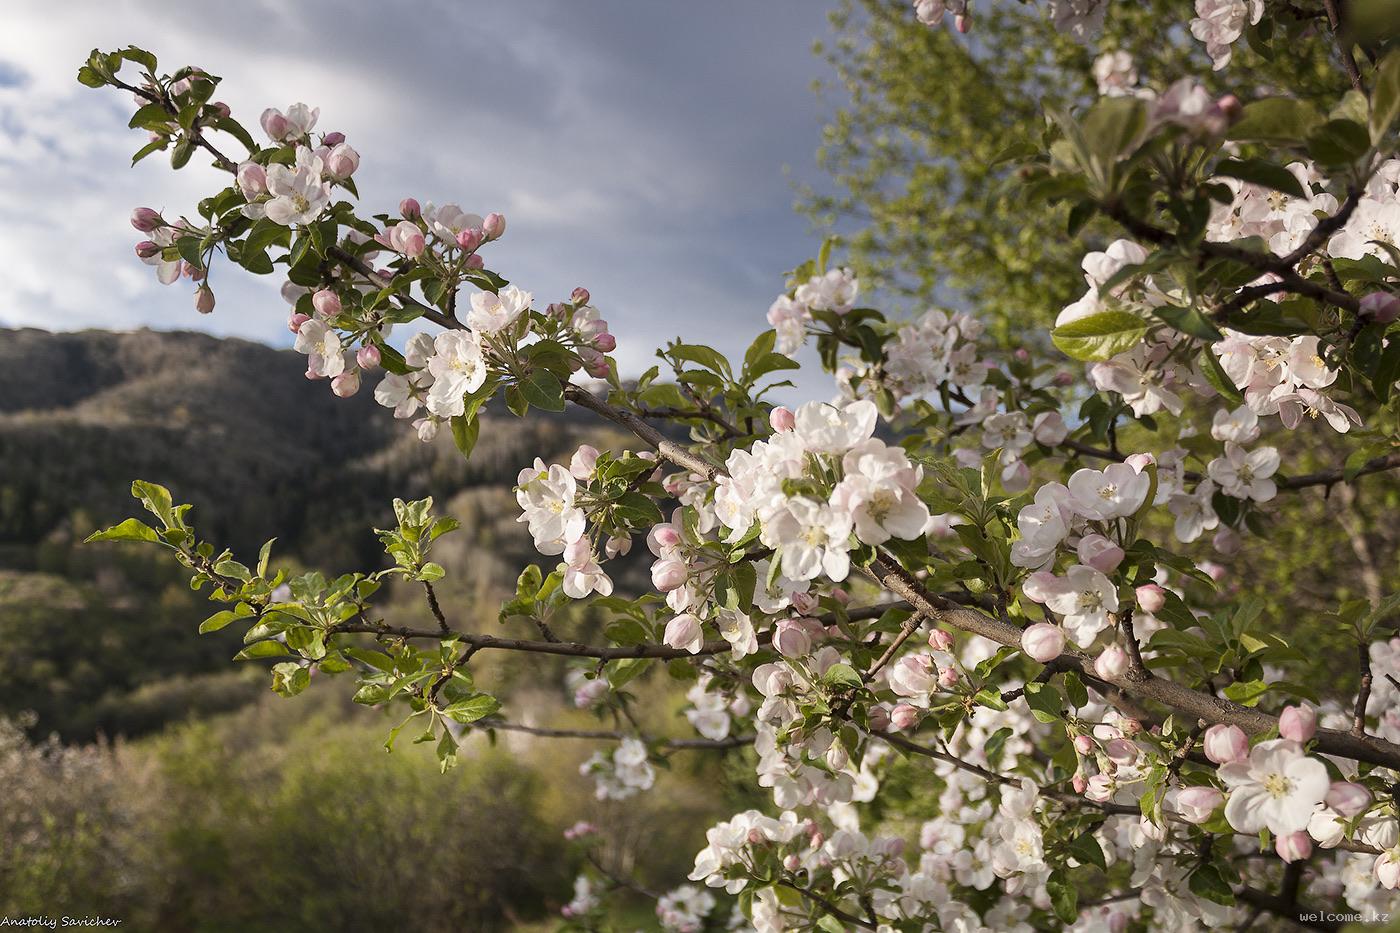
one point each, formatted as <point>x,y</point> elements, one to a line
<point>543,390</point>
<point>464,433</point>
<point>220,619</point>
<point>1385,96</point>
<point>1064,896</point>
<point>1045,701</point>
<point>1262,172</point>
<point>1099,336</point>
<point>1189,321</point>
<point>1087,849</point>
<point>472,708</point>
<point>1281,120</point>
<point>841,675</point>
<point>130,530</point>
<point>1207,882</point>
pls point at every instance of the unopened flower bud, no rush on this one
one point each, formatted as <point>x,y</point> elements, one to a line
<point>579,296</point>
<point>684,632</point>
<point>948,678</point>
<point>204,299</point>
<point>1096,551</point>
<point>1112,662</point>
<point>904,717</point>
<point>1348,798</point>
<point>1224,743</point>
<point>879,718</point>
<point>221,108</point>
<point>1298,723</point>
<point>1377,307</point>
<point>782,419</point>
<point>326,302</point>
<point>368,356</point>
<point>409,209</point>
<point>1294,847</point>
<point>295,321</point>
<point>1121,751</point>
<point>1079,783</point>
<point>342,162</point>
<point>667,575</point>
<point>792,639</point>
<point>474,261</point>
<point>146,249</point>
<point>1230,107</point>
<point>346,384</point>
<point>804,603</point>
<point>605,343</point>
<point>469,239</point>
<point>274,124</point>
<point>1196,804</point>
<point>792,863</point>
<point>1084,744</point>
<point>962,23</point>
<point>145,219</point>
<point>1043,642</point>
<point>840,595</point>
<point>756,837</point>
<point>406,238</point>
<point>666,536</point>
<point>939,640</point>
<point>494,226</point>
<point>1132,727</point>
<point>333,139</point>
<point>252,180</point>
<point>1063,379</point>
<point>1150,597</point>
<point>581,464</point>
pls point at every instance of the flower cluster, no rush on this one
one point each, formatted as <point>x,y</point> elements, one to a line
<point>622,774</point>
<point>833,292</point>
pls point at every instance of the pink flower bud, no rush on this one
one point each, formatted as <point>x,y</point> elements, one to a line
<point>1132,727</point>
<point>1213,570</point>
<point>1196,804</point>
<point>274,124</point>
<point>146,249</point>
<point>804,603</point>
<point>939,640</point>
<point>204,299</point>
<point>590,693</point>
<point>684,632</point>
<point>579,296</point>
<point>1121,751</point>
<point>1227,541</point>
<point>145,219</point>
<point>792,639</point>
<point>1230,107</point>
<point>406,238</point>
<point>494,226</point>
<point>1112,662</point>
<point>782,419</point>
<point>792,863</point>
<point>326,302</point>
<point>221,108</point>
<point>1079,783</point>
<point>1043,642</point>
<point>581,464</point>
<point>346,384</point>
<point>409,209</point>
<point>879,718</point>
<point>1084,744</point>
<point>252,180</point>
<point>605,343</point>
<point>1150,597</point>
<point>368,356</point>
<point>666,536</point>
<point>962,23</point>
<point>904,717</point>
<point>1063,379</point>
<point>1348,798</point>
<point>840,595</point>
<point>342,162</point>
<point>756,837</point>
<point>1377,307</point>
<point>474,261</point>
<point>1294,847</point>
<point>295,321</point>
<point>1100,553</point>
<point>594,363</point>
<point>333,139</point>
<point>1021,355</point>
<point>948,678</point>
<point>1223,743</point>
<point>469,239</point>
<point>668,575</point>
<point>1298,723</point>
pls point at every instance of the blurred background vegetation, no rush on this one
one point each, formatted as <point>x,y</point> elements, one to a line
<point>148,778</point>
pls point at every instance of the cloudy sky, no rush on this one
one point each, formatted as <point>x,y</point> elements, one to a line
<point>644,149</point>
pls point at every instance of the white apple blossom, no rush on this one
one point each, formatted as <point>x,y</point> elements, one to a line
<point>299,194</point>
<point>1245,474</point>
<point>492,312</point>
<point>1276,788</point>
<point>1084,598</point>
